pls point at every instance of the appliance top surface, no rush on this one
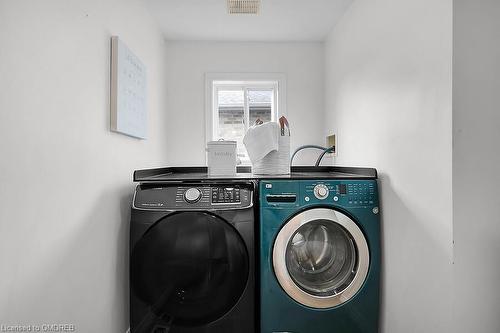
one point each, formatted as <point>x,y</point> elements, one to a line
<point>183,174</point>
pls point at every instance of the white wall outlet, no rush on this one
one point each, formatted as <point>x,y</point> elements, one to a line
<point>331,141</point>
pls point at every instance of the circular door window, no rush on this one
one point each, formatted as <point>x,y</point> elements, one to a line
<point>321,258</point>
<point>192,267</point>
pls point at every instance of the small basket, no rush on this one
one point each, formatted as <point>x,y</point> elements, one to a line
<point>276,162</point>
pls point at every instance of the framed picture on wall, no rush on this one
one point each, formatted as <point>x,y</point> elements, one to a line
<point>128,91</point>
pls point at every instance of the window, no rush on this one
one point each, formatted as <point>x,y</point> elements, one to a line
<point>235,105</point>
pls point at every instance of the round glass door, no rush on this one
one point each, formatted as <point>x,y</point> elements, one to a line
<point>321,258</point>
<point>191,267</point>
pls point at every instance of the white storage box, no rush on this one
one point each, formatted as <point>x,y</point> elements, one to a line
<point>221,158</point>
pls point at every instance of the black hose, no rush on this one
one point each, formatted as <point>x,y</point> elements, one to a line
<point>327,150</point>
<point>324,149</point>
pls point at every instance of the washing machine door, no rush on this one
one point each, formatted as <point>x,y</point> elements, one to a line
<point>190,268</point>
<point>321,258</point>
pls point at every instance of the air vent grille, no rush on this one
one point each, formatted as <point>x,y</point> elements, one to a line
<point>243,6</point>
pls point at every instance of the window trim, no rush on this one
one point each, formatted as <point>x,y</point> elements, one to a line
<point>278,80</point>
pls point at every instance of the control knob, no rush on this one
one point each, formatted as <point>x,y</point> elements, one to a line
<point>321,191</point>
<point>192,195</point>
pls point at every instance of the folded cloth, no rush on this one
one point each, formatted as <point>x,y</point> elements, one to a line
<point>260,140</point>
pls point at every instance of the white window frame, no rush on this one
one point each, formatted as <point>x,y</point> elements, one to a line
<point>241,81</point>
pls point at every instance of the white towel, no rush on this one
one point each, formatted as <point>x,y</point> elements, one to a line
<point>260,140</point>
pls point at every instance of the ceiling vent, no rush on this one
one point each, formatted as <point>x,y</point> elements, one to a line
<point>243,6</point>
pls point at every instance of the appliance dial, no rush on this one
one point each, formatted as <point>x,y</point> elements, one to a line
<point>192,195</point>
<point>321,191</point>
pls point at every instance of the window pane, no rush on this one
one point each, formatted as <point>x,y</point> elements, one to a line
<point>231,118</point>
<point>260,103</point>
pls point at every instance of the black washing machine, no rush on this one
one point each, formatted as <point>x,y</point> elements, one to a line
<point>192,258</point>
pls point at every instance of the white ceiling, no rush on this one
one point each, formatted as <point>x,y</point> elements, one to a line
<point>279,20</point>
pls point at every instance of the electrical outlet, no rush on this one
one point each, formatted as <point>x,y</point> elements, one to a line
<point>331,141</point>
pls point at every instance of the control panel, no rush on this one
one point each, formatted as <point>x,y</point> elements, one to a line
<point>361,193</point>
<point>228,195</point>
<point>347,193</point>
<point>193,197</point>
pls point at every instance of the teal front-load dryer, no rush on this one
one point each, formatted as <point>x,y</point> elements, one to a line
<point>319,256</point>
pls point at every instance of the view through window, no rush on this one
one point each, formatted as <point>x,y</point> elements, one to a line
<point>238,106</point>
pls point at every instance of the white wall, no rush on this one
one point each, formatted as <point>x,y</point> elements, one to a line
<point>388,96</point>
<point>476,159</point>
<point>65,179</point>
<point>187,63</point>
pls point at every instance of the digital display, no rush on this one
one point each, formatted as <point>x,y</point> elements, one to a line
<point>343,189</point>
<point>225,195</point>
